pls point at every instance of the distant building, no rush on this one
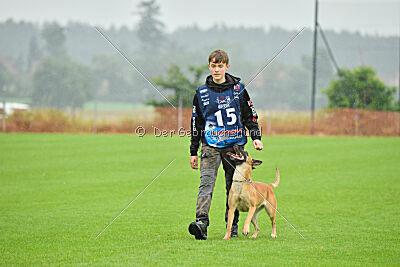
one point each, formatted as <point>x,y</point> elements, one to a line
<point>11,107</point>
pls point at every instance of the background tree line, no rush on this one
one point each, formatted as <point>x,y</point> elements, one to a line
<point>51,65</point>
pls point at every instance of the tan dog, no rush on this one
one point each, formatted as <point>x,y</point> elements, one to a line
<point>244,196</point>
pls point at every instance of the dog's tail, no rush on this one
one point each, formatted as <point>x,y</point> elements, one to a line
<point>277,179</point>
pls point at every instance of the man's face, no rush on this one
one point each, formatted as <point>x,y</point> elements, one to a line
<point>218,70</point>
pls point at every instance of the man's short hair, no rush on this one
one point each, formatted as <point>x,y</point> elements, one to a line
<point>218,56</point>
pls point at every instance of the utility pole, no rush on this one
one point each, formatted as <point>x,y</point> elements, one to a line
<point>95,116</point>
<point>3,124</point>
<point>179,112</point>
<point>314,70</point>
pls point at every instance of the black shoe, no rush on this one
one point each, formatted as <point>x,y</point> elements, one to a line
<point>234,230</point>
<point>199,230</point>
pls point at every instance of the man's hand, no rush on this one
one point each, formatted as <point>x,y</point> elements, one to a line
<point>193,162</point>
<point>258,144</point>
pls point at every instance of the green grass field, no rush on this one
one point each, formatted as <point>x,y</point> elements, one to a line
<point>59,191</point>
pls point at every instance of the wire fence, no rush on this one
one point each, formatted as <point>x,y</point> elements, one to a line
<point>165,121</point>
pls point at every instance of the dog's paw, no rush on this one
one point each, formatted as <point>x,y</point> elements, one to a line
<point>245,231</point>
<point>253,236</point>
<point>274,235</point>
<point>227,236</point>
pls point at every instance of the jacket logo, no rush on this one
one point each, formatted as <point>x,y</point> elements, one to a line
<point>236,92</point>
<point>223,100</point>
<point>253,110</point>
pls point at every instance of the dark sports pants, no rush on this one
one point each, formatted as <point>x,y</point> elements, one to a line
<point>210,159</point>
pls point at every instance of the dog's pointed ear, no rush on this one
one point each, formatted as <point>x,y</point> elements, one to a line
<point>256,162</point>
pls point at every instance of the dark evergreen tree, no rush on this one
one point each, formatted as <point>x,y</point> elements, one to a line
<point>55,38</point>
<point>150,28</point>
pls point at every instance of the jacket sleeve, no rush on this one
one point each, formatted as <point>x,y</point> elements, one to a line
<point>196,127</point>
<point>249,116</point>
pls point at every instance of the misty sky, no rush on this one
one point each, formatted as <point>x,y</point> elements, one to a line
<point>368,16</point>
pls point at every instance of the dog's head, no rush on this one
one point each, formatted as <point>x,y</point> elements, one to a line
<point>242,157</point>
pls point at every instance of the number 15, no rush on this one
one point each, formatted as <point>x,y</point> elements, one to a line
<point>230,113</point>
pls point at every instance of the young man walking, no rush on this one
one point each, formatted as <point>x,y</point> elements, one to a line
<point>221,110</point>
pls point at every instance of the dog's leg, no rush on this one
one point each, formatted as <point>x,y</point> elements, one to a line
<point>272,214</point>
<point>246,228</point>
<point>273,234</point>
<point>232,202</point>
<point>254,222</point>
<point>231,214</point>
